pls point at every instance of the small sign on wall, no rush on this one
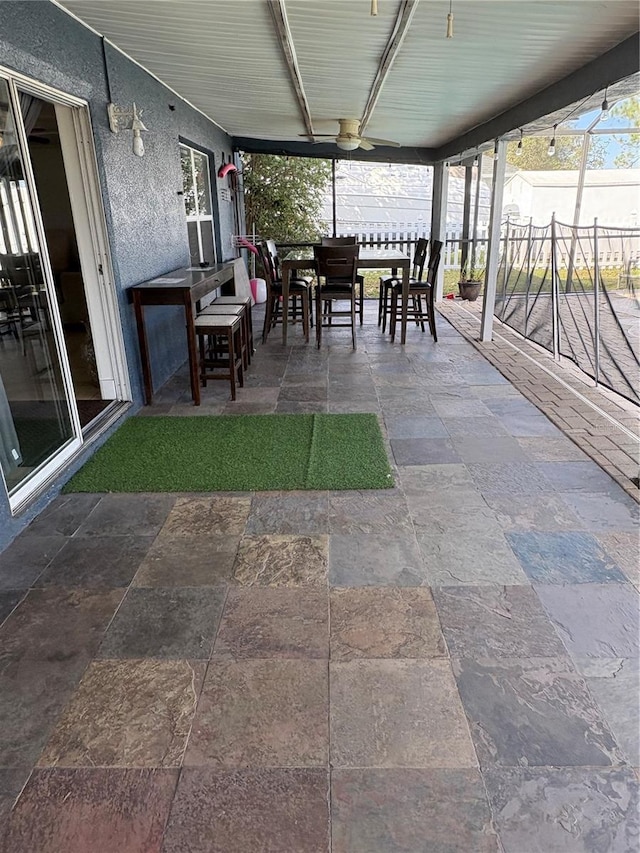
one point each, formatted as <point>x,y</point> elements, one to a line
<point>225,194</point>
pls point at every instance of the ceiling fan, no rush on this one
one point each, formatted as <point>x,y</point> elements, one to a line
<point>349,139</point>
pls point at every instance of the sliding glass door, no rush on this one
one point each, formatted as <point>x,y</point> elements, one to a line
<point>38,418</point>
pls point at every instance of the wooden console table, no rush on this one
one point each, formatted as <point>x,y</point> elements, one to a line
<point>186,287</point>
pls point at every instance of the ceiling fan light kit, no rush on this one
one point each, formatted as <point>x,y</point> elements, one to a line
<point>350,139</point>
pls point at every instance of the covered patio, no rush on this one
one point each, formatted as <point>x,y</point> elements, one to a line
<point>449,665</point>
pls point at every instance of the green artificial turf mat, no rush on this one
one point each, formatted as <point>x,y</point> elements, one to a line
<point>239,453</point>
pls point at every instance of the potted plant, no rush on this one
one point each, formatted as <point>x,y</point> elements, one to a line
<point>470,282</point>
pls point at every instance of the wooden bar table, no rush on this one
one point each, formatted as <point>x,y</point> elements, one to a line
<point>186,287</point>
<point>372,258</point>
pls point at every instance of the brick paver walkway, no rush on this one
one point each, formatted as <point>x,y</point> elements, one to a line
<point>605,428</point>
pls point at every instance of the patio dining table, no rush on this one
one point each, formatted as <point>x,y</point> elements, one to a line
<point>368,258</point>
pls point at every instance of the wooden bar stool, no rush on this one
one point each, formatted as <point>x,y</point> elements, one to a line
<point>240,300</point>
<point>220,344</point>
<point>218,310</point>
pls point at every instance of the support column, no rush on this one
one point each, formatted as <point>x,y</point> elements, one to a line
<point>439,216</point>
<point>493,252</point>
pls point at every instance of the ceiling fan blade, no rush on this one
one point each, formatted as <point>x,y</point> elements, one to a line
<point>366,145</point>
<point>324,135</point>
<point>384,142</point>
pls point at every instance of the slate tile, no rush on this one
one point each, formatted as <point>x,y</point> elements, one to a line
<point>95,810</point>
<point>127,515</point>
<point>534,711</point>
<point>511,478</point>
<point>563,557</point>
<point>446,407</point>
<point>96,561</point>
<point>64,515</point>
<point>615,685</point>
<point>364,559</point>
<point>205,516</point>
<point>188,561</point>
<point>488,450</point>
<point>469,557</point>
<point>301,513</point>
<point>624,549</point>
<point>594,620</point>
<point>127,714</point>
<point>537,512</point>
<point>281,561</point>
<point>261,713</point>
<point>426,486</point>
<point>274,623</point>
<point>397,713</point>
<point>26,558</point>
<point>487,427</point>
<point>414,426</point>
<point>528,425</point>
<point>12,781</point>
<point>495,621</point>
<point>296,407</point>
<point>564,810</point>
<point>552,449</point>
<point>374,511</point>
<point>282,809</point>
<point>9,598</point>
<point>165,623</point>
<point>575,476</point>
<point>405,811</point>
<point>423,451</point>
<point>384,623</point>
<point>602,513</point>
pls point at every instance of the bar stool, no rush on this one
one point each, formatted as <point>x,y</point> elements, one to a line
<point>212,330</point>
<point>240,300</point>
<point>216,310</point>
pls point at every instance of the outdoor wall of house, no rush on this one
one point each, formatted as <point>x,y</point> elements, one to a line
<point>144,213</point>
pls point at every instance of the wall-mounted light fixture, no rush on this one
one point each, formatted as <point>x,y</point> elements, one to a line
<point>519,148</point>
<point>551,150</point>
<point>450,21</point>
<point>605,107</point>
<point>121,118</point>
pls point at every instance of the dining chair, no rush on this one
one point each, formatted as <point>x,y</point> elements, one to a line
<point>336,268</point>
<point>298,289</point>
<point>349,241</point>
<point>417,290</point>
<point>387,282</point>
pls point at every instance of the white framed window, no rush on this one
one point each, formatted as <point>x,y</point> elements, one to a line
<point>198,208</point>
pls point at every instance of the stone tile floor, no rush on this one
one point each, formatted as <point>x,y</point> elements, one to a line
<point>447,666</point>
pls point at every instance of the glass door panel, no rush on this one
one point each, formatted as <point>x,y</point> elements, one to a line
<point>35,410</point>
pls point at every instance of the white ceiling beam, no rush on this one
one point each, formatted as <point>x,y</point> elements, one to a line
<point>285,37</point>
<point>400,29</point>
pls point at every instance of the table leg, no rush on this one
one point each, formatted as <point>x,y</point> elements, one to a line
<point>193,349</point>
<point>144,349</point>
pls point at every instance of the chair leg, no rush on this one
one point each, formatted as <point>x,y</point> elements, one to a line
<point>380,296</point>
<point>305,314</point>
<point>431,315</point>
<point>394,311</point>
<point>353,320</point>
<point>267,320</point>
<point>318,318</point>
<point>232,365</point>
<point>361,301</point>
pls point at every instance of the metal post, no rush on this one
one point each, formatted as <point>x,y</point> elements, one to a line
<point>333,194</point>
<point>505,275</point>
<point>526,293</point>
<point>596,301</point>
<point>555,325</point>
<point>466,218</point>
<point>439,218</point>
<point>493,252</point>
<point>476,211</point>
<point>576,212</point>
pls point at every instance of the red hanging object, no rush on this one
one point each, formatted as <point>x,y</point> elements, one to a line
<point>224,170</point>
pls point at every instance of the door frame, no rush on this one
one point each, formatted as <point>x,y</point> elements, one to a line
<point>82,178</point>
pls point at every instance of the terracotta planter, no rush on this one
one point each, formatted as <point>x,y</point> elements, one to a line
<point>469,290</point>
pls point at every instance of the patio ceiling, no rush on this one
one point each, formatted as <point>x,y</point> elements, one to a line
<point>272,70</point>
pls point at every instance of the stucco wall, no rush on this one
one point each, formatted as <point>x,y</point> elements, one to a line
<point>144,213</point>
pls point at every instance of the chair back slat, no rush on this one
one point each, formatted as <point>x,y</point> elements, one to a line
<point>338,241</point>
<point>434,261</point>
<point>268,264</point>
<point>419,258</point>
<point>337,262</point>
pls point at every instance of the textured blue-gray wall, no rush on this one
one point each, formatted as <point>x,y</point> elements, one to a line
<point>145,214</point>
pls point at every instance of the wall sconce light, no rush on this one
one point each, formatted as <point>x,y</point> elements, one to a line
<point>605,107</point>
<point>519,148</point>
<point>551,150</point>
<point>120,118</point>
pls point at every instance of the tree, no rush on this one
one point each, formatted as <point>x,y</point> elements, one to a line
<point>534,157</point>
<point>283,196</point>
<point>629,156</point>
